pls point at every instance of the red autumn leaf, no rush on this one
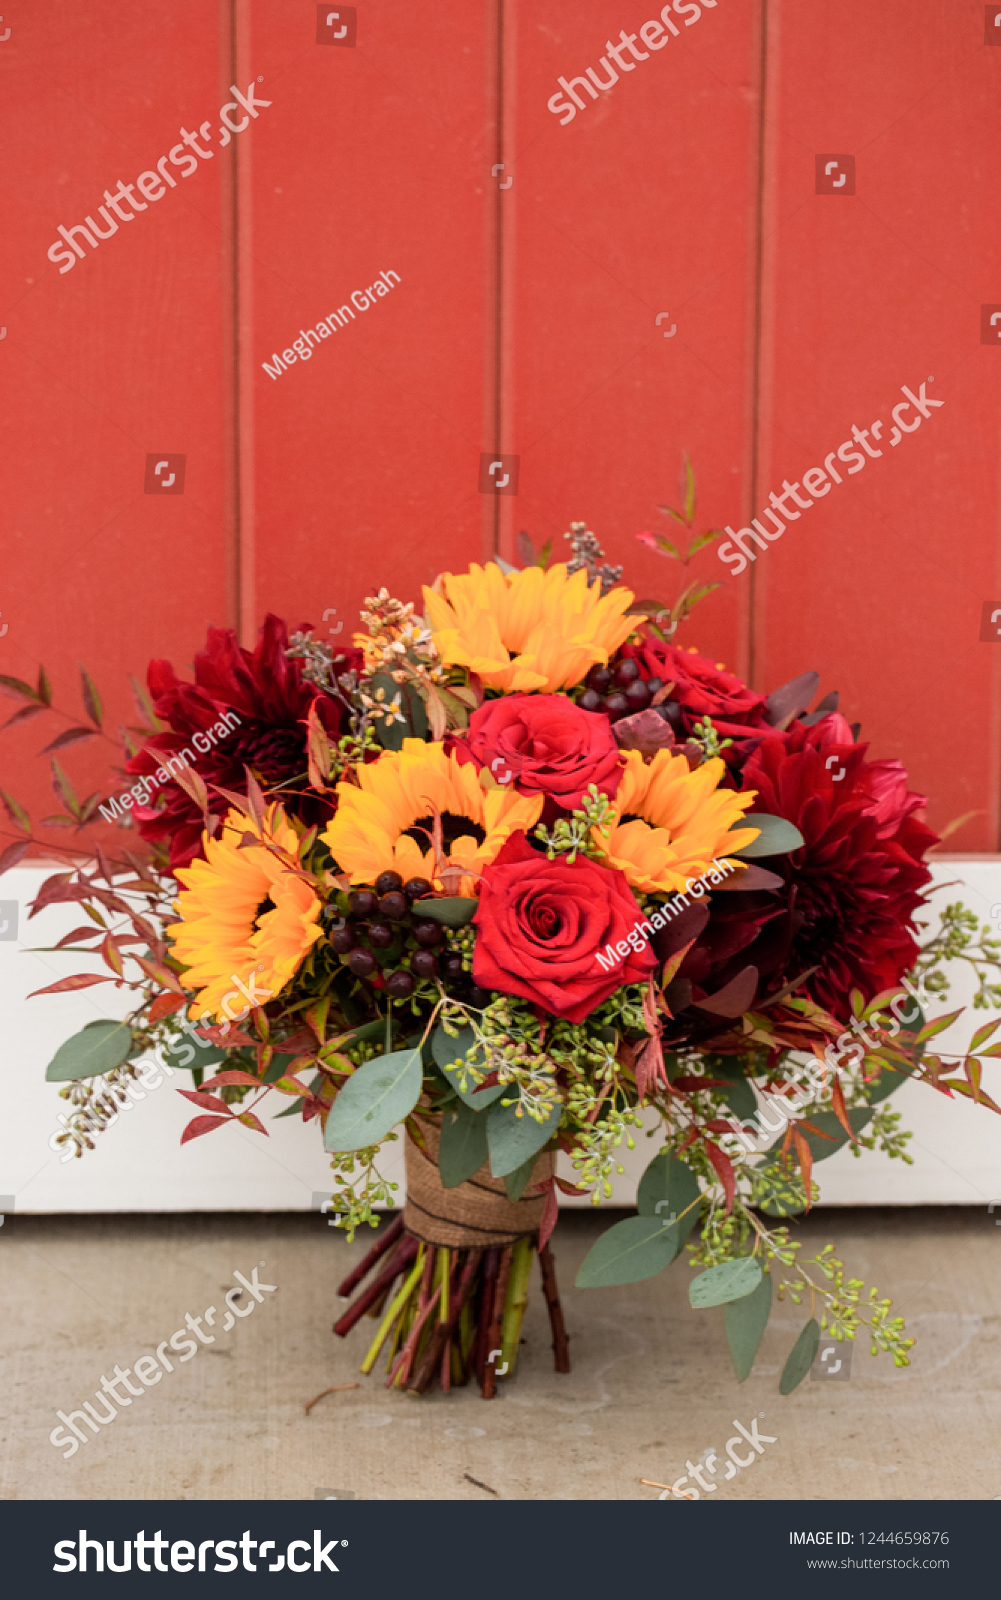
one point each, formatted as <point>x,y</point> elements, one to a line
<point>18,689</point>
<point>232,1075</point>
<point>805,1164</point>
<point>811,1127</point>
<point>161,975</point>
<point>550,1216</point>
<point>164,1006</point>
<point>841,1110</point>
<point>15,811</point>
<point>91,698</point>
<point>14,853</point>
<point>69,736</point>
<point>724,1171</point>
<point>250,1121</point>
<point>64,790</point>
<point>208,1102</point>
<point>112,956</point>
<point>56,890</point>
<point>20,716</point>
<point>234,1039</point>
<point>79,980</point>
<point>688,1083</point>
<point>200,1125</point>
<point>78,933</point>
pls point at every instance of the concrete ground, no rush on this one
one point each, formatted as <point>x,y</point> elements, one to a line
<point>651,1385</point>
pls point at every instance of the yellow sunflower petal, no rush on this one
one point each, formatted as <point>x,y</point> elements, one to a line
<point>527,630</point>
<point>676,821</point>
<point>244,916</point>
<point>370,832</point>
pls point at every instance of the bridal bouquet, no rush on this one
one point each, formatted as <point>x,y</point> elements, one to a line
<point>515,879</point>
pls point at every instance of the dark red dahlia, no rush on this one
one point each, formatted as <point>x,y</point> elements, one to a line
<point>853,888</point>
<point>244,709</point>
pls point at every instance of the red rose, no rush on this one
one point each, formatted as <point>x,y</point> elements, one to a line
<point>541,926</point>
<point>544,744</point>
<point>700,686</point>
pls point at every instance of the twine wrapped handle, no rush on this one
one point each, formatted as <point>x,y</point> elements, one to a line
<point>475,1215</point>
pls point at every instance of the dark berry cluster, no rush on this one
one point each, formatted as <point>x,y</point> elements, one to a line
<point>619,691</point>
<point>384,934</point>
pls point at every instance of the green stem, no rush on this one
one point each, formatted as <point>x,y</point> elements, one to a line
<point>393,1312</point>
<point>516,1304</point>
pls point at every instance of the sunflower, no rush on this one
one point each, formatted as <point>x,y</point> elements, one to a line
<point>243,916</point>
<point>670,823</point>
<point>527,630</point>
<point>384,822</point>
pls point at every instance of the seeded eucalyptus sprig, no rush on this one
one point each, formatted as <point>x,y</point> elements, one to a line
<point>573,837</point>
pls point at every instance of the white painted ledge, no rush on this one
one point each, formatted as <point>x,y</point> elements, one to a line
<point>138,1164</point>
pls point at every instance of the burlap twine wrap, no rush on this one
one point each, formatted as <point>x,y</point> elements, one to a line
<point>474,1215</point>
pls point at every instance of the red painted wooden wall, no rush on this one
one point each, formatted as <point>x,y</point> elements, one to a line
<point>594,295</point>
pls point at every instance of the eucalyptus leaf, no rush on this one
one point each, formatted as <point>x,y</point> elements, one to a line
<point>375,1098</point>
<point>463,1148</point>
<point>732,1280</point>
<point>667,1191</point>
<point>452,911</point>
<point>739,1096</point>
<point>512,1139</point>
<point>447,1050</point>
<point>745,1321</point>
<point>801,1358</point>
<point>98,1048</point>
<point>516,1182</point>
<point>628,1252</point>
<point>777,837</point>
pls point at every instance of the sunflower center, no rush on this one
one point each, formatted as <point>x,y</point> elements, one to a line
<point>629,816</point>
<point>267,904</point>
<point>452,827</point>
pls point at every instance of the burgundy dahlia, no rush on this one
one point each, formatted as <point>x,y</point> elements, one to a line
<point>853,888</point>
<point>267,693</point>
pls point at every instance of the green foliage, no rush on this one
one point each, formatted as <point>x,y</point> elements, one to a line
<point>96,1049</point>
<point>374,1099</point>
<point>776,837</point>
<point>827,1122</point>
<point>452,911</point>
<point>574,836</point>
<point>732,1280</point>
<point>513,1137</point>
<point>451,1049</point>
<point>628,1252</point>
<point>669,1191</point>
<point>958,940</point>
<point>463,1148</point>
<point>745,1321</point>
<point>885,1131</point>
<point>704,733</point>
<point>516,1182</point>
<point>801,1358</point>
<point>360,1188</point>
